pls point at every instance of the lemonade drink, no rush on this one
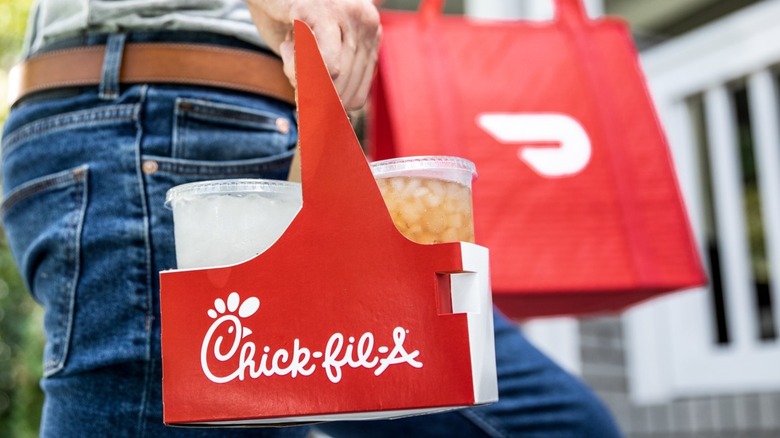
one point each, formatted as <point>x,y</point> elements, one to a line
<point>224,222</point>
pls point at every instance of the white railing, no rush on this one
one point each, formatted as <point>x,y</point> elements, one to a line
<point>671,341</point>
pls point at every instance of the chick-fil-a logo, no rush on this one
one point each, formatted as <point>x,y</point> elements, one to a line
<point>339,351</point>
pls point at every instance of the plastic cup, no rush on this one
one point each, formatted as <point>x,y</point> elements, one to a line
<point>224,222</point>
<point>428,197</point>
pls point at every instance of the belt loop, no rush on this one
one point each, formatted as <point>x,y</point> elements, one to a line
<point>112,63</point>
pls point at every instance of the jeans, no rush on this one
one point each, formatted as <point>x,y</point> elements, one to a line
<point>85,173</point>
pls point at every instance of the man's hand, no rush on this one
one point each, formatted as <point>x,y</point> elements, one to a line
<point>347,31</point>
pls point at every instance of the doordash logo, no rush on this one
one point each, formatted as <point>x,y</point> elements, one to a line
<point>228,346</point>
<point>555,145</point>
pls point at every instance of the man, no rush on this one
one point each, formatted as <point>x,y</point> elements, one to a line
<point>87,163</point>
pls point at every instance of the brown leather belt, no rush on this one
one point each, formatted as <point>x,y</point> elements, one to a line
<point>167,63</point>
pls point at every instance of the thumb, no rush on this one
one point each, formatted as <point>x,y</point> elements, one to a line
<point>287,52</point>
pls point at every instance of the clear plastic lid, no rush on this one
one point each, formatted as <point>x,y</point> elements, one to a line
<point>270,187</point>
<point>429,166</point>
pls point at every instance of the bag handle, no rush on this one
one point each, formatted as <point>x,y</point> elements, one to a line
<point>569,11</point>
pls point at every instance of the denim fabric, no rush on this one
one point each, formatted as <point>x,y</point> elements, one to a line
<point>84,181</point>
<point>536,399</point>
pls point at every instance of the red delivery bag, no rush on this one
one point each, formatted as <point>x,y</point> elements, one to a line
<point>342,317</point>
<point>577,198</point>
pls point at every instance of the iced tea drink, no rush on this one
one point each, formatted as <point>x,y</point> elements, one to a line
<point>429,197</point>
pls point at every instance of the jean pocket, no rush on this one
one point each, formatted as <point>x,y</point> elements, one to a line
<point>44,218</point>
<point>218,131</point>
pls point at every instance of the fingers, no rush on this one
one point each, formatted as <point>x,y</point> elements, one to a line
<point>345,66</point>
<point>329,39</point>
<point>348,38</point>
<point>287,52</point>
<point>347,33</point>
<point>360,95</point>
<point>361,55</point>
<point>355,87</point>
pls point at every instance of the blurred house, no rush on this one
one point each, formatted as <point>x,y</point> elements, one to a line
<point>704,362</point>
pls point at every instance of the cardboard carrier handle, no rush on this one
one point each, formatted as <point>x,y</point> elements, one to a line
<point>569,11</point>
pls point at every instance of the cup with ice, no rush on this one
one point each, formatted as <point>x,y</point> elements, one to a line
<point>223,222</point>
<point>428,197</point>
